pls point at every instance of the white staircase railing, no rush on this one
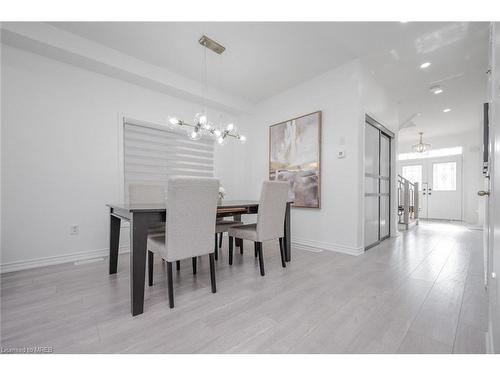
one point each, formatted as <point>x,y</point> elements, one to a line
<point>408,204</point>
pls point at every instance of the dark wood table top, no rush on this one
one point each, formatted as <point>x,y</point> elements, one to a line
<point>159,207</point>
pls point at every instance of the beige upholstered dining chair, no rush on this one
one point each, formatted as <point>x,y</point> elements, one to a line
<point>270,221</point>
<point>150,194</point>
<point>190,223</point>
<point>223,225</point>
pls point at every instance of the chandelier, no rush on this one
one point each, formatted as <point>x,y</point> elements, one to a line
<point>202,125</point>
<point>421,147</point>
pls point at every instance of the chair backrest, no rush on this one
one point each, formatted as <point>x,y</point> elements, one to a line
<point>138,194</point>
<point>191,214</point>
<point>272,207</point>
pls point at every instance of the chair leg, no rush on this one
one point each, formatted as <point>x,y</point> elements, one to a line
<point>220,239</point>
<point>170,285</point>
<point>212,273</point>
<point>256,251</point>
<point>194,265</point>
<point>178,265</point>
<point>241,245</point>
<point>216,248</point>
<point>261,258</point>
<point>230,250</point>
<point>151,260</point>
<point>282,252</point>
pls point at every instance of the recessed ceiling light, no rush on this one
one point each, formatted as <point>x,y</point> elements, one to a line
<point>436,89</point>
<point>425,65</point>
<point>446,110</point>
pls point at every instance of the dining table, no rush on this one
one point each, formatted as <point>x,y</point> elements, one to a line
<point>142,216</point>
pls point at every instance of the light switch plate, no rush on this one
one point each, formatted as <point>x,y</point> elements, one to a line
<point>340,154</point>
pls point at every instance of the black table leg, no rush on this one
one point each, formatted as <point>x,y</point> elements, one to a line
<point>230,250</point>
<point>237,240</point>
<point>114,242</point>
<point>287,240</point>
<point>138,241</point>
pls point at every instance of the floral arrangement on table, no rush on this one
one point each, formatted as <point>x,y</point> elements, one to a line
<point>222,192</point>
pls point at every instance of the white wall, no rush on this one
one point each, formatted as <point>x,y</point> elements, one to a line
<point>60,154</point>
<point>343,95</point>
<point>471,143</point>
<point>60,159</point>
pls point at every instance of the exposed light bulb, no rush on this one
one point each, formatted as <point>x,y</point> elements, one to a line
<point>446,110</point>
<point>230,127</point>
<point>217,133</point>
<point>174,121</point>
<point>425,65</point>
<point>242,138</point>
<point>195,134</point>
<point>220,140</point>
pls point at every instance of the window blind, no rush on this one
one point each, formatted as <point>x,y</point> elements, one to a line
<point>153,153</point>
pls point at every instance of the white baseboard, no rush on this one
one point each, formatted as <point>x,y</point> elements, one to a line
<point>59,259</point>
<point>301,244</point>
<point>317,246</point>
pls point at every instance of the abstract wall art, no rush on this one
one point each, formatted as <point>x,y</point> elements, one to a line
<point>295,156</point>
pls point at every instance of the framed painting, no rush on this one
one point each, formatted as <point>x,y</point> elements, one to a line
<point>295,156</point>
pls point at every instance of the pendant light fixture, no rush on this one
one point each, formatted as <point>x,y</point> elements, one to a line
<point>421,147</point>
<point>201,125</point>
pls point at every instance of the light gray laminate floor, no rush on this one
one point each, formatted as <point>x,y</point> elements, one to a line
<point>421,292</point>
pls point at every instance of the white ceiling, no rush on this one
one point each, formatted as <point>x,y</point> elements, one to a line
<point>459,55</point>
<point>263,59</point>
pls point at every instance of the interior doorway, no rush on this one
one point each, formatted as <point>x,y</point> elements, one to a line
<point>440,182</point>
<point>377,183</point>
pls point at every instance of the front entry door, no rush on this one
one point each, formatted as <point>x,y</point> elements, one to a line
<point>440,186</point>
<point>422,194</point>
<point>444,192</point>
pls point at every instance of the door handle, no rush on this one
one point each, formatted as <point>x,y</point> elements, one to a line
<point>482,193</point>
